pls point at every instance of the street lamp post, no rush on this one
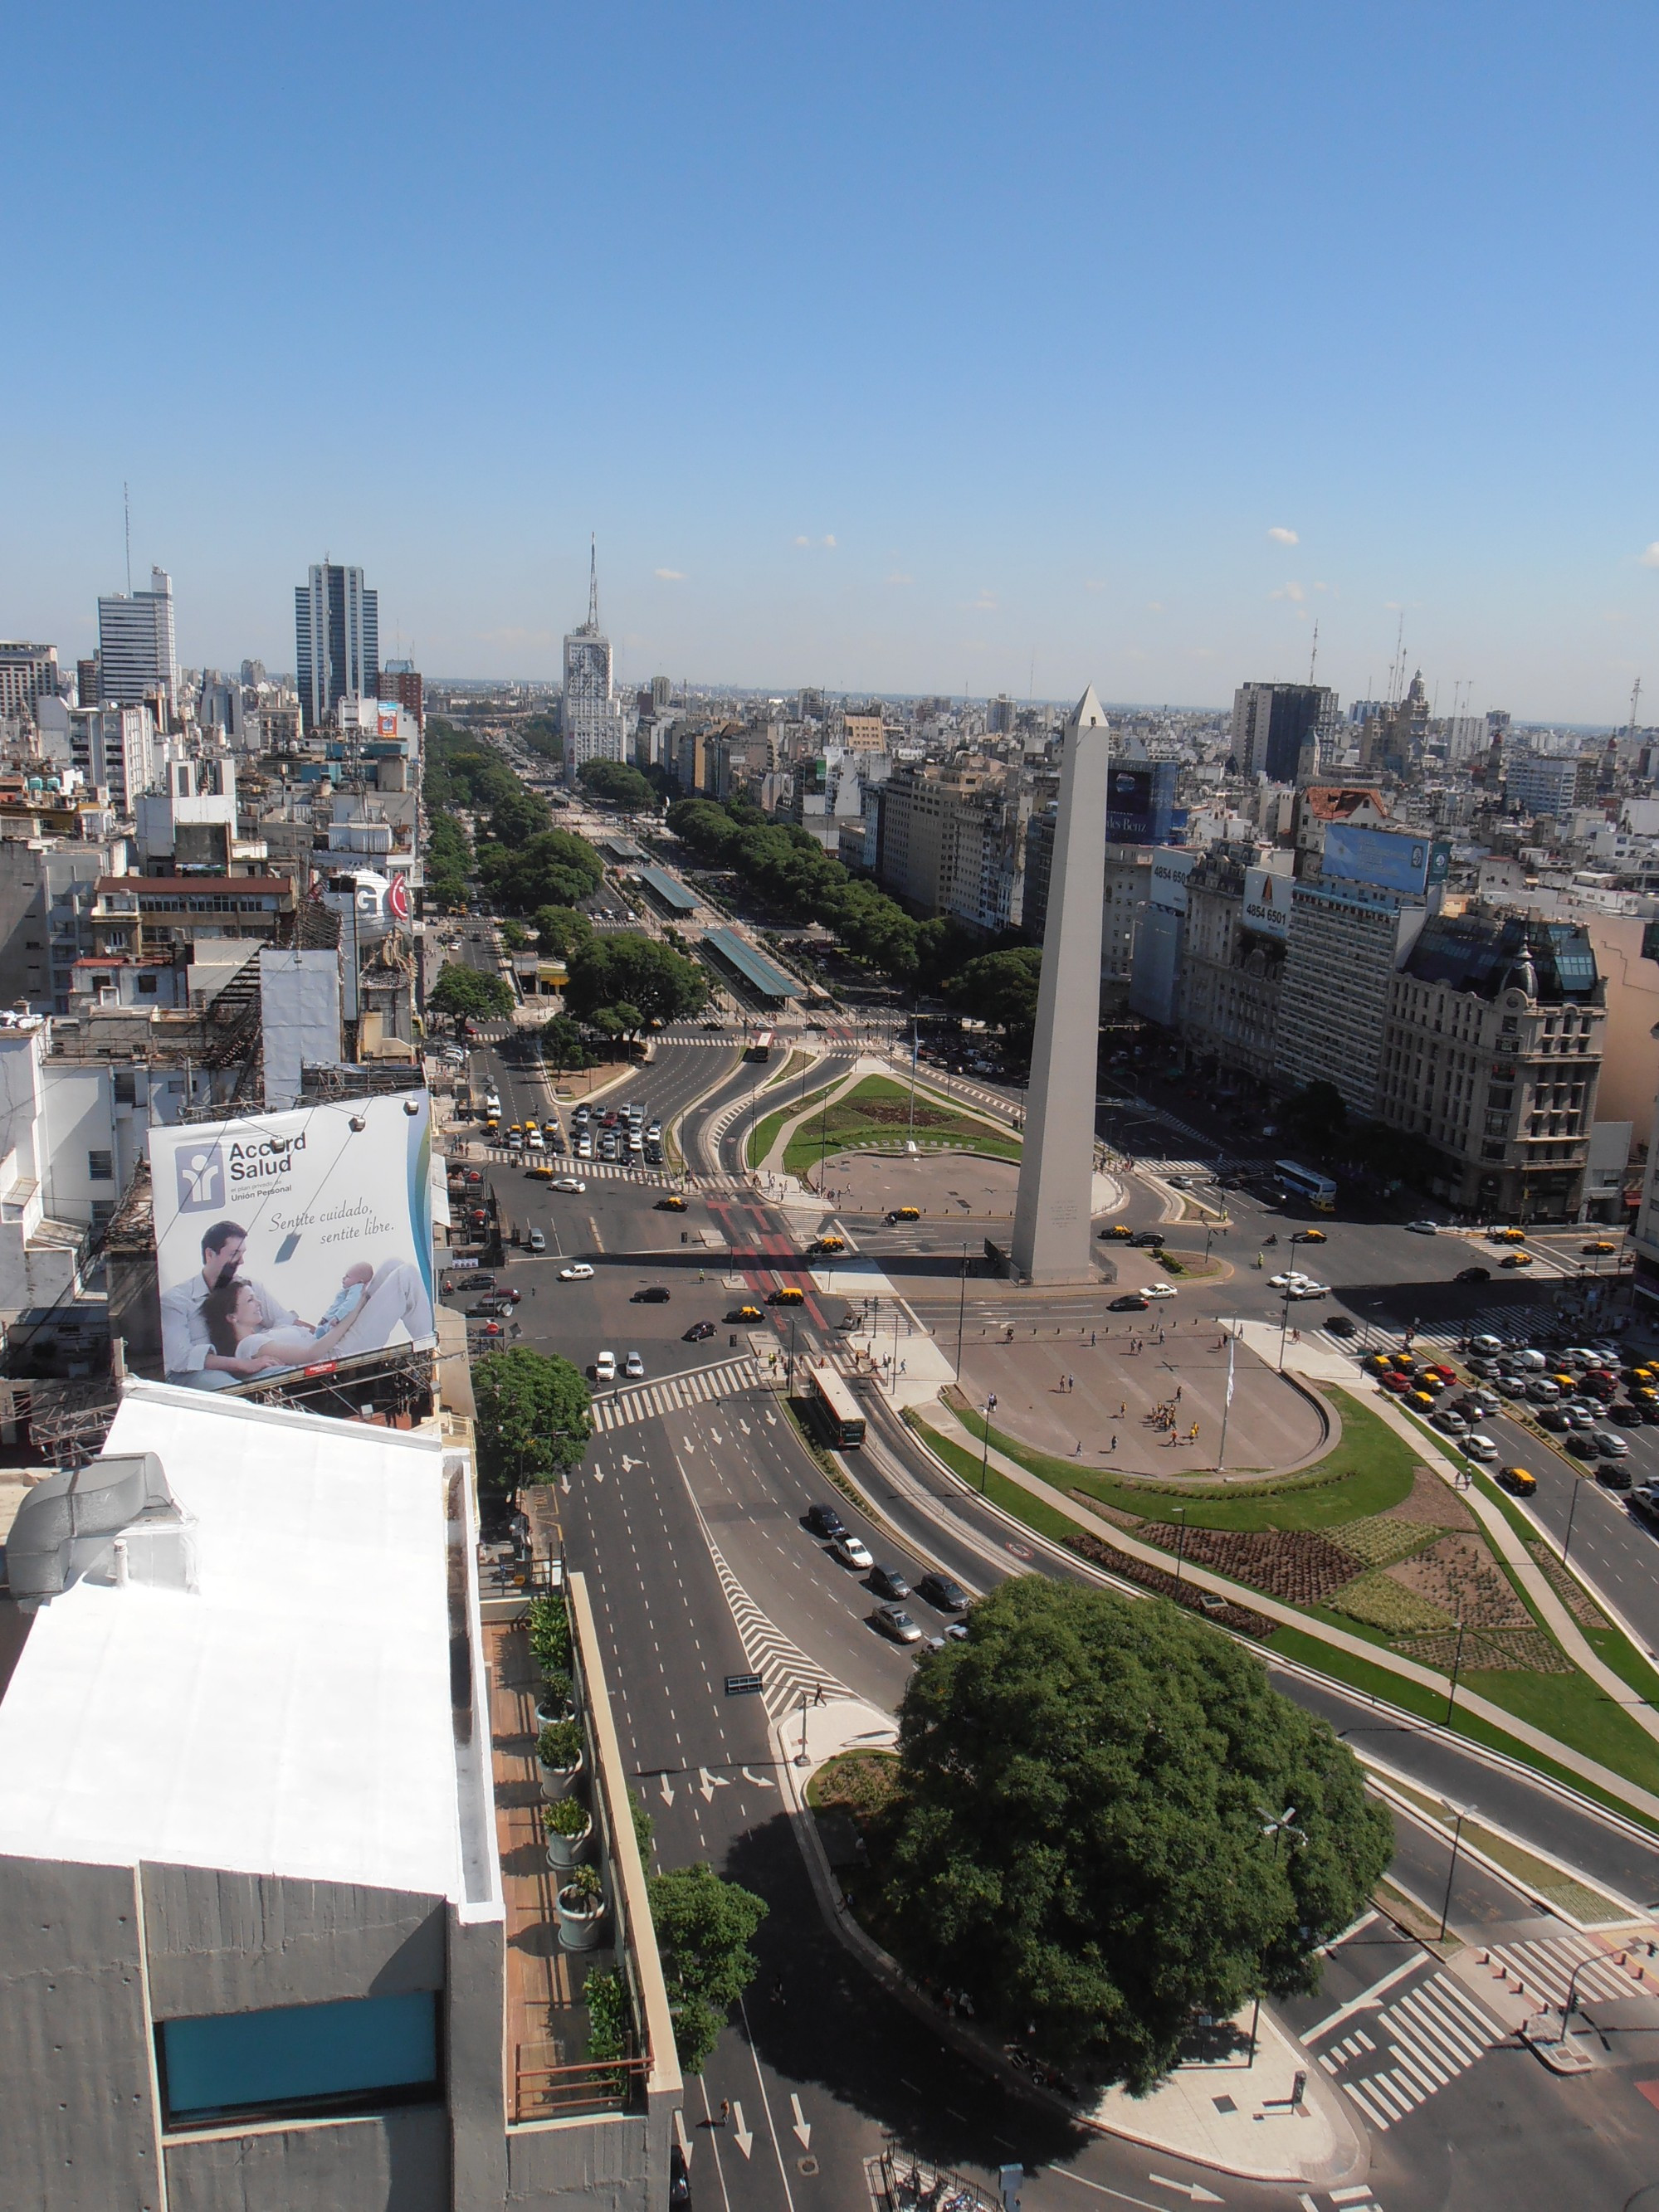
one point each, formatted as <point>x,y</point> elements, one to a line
<point>1572,1507</point>
<point>961,1312</point>
<point>1460,1814</point>
<point>1571,2004</point>
<point>985,1439</point>
<point>1278,1826</point>
<point>1284,1326</point>
<point>1457,1669</point>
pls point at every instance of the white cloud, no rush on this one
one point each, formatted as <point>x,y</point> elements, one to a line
<point>1289,591</point>
<point>985,603</point>
<point>897,578</point>
<point>1650,558</point>
<point>669,575</point>
<point>1093,583</point>
<point>1154,606</point>
<point>830,543</point>
<point>803,541</point>
<point>1280,536</point>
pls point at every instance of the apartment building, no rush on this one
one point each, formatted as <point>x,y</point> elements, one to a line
<point>1346,941</point>
<point>1233,960</point>
<point>1492,1052</point>
<point>269,1788</point>
<point>952,839</point>
<point>28,672</point>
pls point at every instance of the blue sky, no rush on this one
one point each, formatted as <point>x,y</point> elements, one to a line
<point>908,348</point>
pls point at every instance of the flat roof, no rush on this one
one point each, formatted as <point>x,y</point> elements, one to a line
<point>621,848</point>
<point>669,889</point>
<point>756,969</point>
<point>290,1715</point>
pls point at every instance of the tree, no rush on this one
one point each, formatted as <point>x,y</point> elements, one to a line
<point>1079,1836</point>
<point>554,868</point>
<point>640,971</point>
<point>564,1046</point>
<point>534,1420</point>
<point>1000,988</point>
<point>469,994</point>
<point>616,782</point>
<point>703,1927</point>
<point>561,931</point>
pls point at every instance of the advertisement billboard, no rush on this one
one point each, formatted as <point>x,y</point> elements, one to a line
<point>1267,902</point>
<point>1392,859</point>
<point>386,719</point>
<point>1171,865</point>
<point>1140,801</point>
<point>286,1243</point>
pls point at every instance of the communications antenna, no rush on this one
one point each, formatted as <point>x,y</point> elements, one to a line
<point>126,510</point>
<point>1635,700</point>
<point>594,584</point>
<point>1313,658</point>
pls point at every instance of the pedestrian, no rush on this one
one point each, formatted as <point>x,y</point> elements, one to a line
<point>1124,1409</point>
<point>1112,1447</point>
<point>1177,1396</point>
<point>726,2112</point>
<point>1092,1339</point>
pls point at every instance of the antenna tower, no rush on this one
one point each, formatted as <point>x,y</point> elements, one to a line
<point>126,511</point>
<point>1313,658</point>
<point>1635,702</point>
<point>594,584</point>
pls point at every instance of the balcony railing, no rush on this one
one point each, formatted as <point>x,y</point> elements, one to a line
<point>595,2084</point>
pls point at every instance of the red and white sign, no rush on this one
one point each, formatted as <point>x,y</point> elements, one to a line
<point>397,898</point>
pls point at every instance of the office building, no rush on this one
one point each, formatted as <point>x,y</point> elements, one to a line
<point>112,748</point>
<point>1233,959</point>
<point>279,1928</point>
<point>594,719</point>
<point>1491,1053</point>
<point>86,681</point>
<point>337,641</point>
<point>27,672</point>
<point>1537,784</point>
<point>136,656</point>
<point>1273,724</point>
<point>950,839</point>
<point>401,680</point>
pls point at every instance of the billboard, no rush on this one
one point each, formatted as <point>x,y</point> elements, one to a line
<point>1139,803</point>
<point>1267,902</point>
<point>385,718</point>
<point>286,1243</point>
<point>1393,859</point>
<point>1171,865</point>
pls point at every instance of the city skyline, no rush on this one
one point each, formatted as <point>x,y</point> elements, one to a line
<point>956,361</point>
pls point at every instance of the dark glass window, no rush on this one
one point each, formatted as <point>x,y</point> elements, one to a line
<point>355,2055</point>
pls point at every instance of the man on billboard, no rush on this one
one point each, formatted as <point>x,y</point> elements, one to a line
<point>188,1353</point>
<point>217,1329</point>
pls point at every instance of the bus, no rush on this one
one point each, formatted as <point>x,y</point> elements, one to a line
<point>760,1046</point>
<point>1307,1183</point>
<point>834,1409</point>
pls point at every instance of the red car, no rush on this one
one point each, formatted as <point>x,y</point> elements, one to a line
<point>1399,1383</point>
<point>1446,1373</point>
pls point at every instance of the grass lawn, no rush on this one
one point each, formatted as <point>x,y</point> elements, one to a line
<point>1368,1472</point>
<point>1035,1512</point>
<point>764,1134</point>
<point>877,1112</point>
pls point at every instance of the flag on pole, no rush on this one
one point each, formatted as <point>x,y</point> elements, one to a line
<point>1231,1341</point>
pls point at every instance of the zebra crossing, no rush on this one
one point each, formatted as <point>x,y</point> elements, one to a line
<point>1544,1966</point>
<point>1416,2043</point>
<point>696,1386</point>
<point>788,1677</point>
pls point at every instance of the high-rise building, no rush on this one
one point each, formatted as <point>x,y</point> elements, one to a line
<point>337,640</point>
<point>1272,723</point>
<point>86,681</point>
<point>25,672</point>
<point>401,680</point>
<point>1540,785</point>
<point>594,720</point>
<point>136,656</point>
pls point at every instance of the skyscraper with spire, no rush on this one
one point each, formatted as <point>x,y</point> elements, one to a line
<point>594,720</point>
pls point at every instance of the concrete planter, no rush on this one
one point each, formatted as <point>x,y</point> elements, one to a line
<point>565,1852</point>
<point>579,1921</point>
<point>550,1711</point>
<point>559,1781</point>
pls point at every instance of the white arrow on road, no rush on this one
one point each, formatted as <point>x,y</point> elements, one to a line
<point>803,2127</point>
<point>716,1436</point>
<point>667,1794</point>
<point>1187,2189</point>
<point>740,2134</point>
<point>599,1471</point>
<point>744,1425</point>
<point>628,1465</point>
<point>771,1420</point>
<point>759,1780</point>
<point>711,1783</point>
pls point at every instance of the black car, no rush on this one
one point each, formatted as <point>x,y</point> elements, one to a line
<point>1553,1418</point>
<point>941,1592</point>
<point>824,1520</point>
<point>1131,1302</point>
<point>1625,1417</point>
<point>699,1333</point>
<point>1580,1445</point>
<point>652,1295</point>
<point>1613,1474</point>
<point>1474,1275</point>
<point>1339,1325</point>
<point>1149,1237</point>
<point>888,1582</point>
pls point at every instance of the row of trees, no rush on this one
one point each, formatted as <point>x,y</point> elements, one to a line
<point>616,783</point>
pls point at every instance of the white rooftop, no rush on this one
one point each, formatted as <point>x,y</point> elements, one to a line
<point>290,1716</point>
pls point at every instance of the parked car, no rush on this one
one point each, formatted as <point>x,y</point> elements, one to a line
<point>825,1521</point>
<point>852,1551</point>
<point>537,1240</point>
<point>577,1272</point>
<point>941,1592</point>
<point>888,1582</point>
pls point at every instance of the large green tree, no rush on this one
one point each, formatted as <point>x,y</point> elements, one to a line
<point>553,868</point>
<point>1079,1838</point>
<point>534,1419</point>
<point>1002,988</point>
<point>703,1927</point>
<point>640,971</point>
<point>561,931</point>
<point>616,782</point>
<point>564,1045</point>
<point>469,994</point>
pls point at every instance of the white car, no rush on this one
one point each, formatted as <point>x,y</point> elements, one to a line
<point>578,1271</point>
<point>1287,1281</point>
<point>634,1366</point>
<point>492,1103</point>
<point>604,1367</point>
<point>1158,1290</point>
<point>1479,1447</point>
<point>853,1551</point>
<point>573,1183</point>
<point>533,1138</point>
<point>1309,1289</point>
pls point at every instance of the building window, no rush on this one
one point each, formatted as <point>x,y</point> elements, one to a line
<point>357,2056</point>
<point>100,1167</point>
<point>103,1211</point>
<point>126,1090</point>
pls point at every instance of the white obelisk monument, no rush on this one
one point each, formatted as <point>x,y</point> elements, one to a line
<point>1052,1215</point>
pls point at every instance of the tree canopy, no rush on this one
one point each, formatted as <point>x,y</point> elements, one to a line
<point>564,1045</point>
<point>534,1420</point>
<point>617,783</point>
<point>704,1928</point>
<point>552,867</point>
<point>469,994</point>
<point>1002,988</point>
<point>1078,1833</point>
<point>627,968</point>
<point>561,931</point>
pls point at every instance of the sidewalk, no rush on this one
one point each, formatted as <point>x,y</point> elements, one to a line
<point>1615,1785</point>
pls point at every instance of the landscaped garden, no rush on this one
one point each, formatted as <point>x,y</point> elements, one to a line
<point>879,1115</point>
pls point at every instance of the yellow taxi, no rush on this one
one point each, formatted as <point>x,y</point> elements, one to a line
<point>1120,1232</point>
<point>1516,1260</point>
<point>1598,1246</point>
<point>1378,1362</point>
<point>672,1203</point>
<point>1517,1479</point>
<point>828,1244</point>
<point>1506,1237</point>
<point>788,1296</point>
<point>542,1173</point>
<point>1420,1401</point>
<point>745,1313</point>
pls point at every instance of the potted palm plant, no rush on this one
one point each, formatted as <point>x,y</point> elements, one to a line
<point>566,1824</point>
<point>559,1757</point>
<point>579,1904</point>
<point>553,1700</point>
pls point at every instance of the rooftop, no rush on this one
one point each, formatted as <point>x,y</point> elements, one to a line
<point>761,973</point>
<point>669,890</point>
<point>291,1713</point>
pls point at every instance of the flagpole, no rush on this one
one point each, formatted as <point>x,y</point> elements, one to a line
<point>1227,1404</point>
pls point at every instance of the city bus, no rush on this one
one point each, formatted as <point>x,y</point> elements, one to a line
<point>760,1046</point>
<point>1307,1183</point>
<point>834,1409</point>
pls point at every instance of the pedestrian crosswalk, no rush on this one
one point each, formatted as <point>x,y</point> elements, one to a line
<point>1394,2056</point>
<point>1545,1966</point>
<point>697,1386</point>
<point>1167,1168</point>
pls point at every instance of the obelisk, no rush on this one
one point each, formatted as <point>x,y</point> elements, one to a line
<point>1052,1214</point>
